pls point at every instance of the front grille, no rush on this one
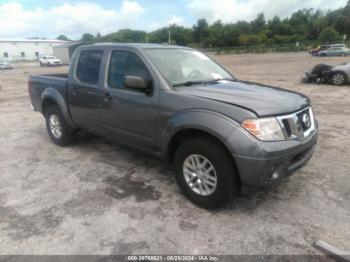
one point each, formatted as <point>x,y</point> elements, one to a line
<point>300,119</point>
<point>286,127</point>
<point>297,125</point>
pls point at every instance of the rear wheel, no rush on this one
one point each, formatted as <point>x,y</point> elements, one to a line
<point>205,172</point>
<point>339,78</point>
<point>57,127</point>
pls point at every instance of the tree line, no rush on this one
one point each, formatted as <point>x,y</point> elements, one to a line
<point>303,25</point>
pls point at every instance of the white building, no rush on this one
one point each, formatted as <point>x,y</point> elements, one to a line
<point>27,49</point>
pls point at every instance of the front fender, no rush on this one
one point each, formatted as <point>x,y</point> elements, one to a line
<point>56,97</point>
<point>210,122</point>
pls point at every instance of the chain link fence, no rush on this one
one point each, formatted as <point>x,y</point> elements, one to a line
<point>292,47</point>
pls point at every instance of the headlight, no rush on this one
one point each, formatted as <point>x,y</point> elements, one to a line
<point>266,129</point>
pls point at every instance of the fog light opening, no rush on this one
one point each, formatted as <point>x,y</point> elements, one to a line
<point>275,175</point>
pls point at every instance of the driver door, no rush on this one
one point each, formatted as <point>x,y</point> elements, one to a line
<point>130,115</point>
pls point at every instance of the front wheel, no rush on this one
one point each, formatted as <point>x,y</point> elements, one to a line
<point>339,78</point>
<point>205,172</point>
<point>57,127</point>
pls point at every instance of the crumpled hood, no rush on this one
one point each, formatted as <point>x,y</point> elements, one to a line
<point>262,99</point>
<point>344,67</point>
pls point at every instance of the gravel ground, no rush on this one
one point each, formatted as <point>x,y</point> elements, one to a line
<point>98,197</point>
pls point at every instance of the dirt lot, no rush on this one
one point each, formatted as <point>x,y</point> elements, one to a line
<point>98,197</point>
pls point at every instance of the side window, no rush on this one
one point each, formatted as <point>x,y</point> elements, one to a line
<point>88,69</point>
<point>126,64</point>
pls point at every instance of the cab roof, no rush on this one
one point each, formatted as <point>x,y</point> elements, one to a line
<point>137,45</point>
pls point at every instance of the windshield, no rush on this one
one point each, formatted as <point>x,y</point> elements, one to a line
<point>181,66</point>
<point>51,57</point>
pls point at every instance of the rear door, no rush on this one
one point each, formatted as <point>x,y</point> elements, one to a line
<point>85,93</point>
<point>335,51</point>
<point>130,116</point>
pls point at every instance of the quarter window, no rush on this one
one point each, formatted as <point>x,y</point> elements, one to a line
<point>126,64</point>
<point>88,69</point>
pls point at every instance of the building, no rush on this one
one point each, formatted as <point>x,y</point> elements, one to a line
<point>27,49</point>
<point>66,50</point>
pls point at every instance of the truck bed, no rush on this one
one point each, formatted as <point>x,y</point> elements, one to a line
<point>46,83</point>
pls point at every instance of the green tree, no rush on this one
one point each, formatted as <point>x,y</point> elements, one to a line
<point>302,25</point>
<point>258,24</point>
<point>329,34</point>
<point>200,31</point>
<point>342,22</point>
<point>88,38</point>
<point>63,38</point>
<point>179,35</point>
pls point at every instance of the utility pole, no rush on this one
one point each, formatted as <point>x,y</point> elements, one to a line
<point>201,39</point>
<point>146,37</point>
<point>169,37</point>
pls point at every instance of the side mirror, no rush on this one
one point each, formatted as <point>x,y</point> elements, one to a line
<point>135,82</point>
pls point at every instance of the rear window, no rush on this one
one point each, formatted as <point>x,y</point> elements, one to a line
<point>88,69</point>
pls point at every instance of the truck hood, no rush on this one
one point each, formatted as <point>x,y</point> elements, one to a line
<point>263,100</point>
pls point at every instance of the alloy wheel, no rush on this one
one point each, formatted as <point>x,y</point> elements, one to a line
<point>200,174</point>
<point>55,126</point>
<point>338,79</point>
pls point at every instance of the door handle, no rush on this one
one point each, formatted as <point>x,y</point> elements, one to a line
<point>75,90</point>
<point>107,98</point>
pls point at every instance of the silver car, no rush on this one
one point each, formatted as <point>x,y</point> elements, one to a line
<point>5,64</point>
<point>335,51</point>
<point>341,74</point>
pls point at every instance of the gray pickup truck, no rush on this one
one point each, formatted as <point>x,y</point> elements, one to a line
<point>178,104</point>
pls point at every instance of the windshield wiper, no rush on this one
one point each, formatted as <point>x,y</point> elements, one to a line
<point>201,82</point>
<point>189,83</point>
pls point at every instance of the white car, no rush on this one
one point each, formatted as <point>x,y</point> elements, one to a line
<point>5,64</point>
<point>50,61</point>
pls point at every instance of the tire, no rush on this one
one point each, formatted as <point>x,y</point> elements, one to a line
<point>339,78</point>
<point>58,129</point>
<point>41,64</point>
<point>227,181</point>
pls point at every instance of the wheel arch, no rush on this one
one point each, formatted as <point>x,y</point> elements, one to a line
<point>187,133</point>
<point>197,122</point>
<point>343,73</point>
<point>52,97</point>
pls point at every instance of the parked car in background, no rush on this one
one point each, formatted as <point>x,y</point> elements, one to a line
<point>335,51</point>
<point>176,103</point>
<point>5,64</point>
<point>50,61</point>
<point>316,51</point>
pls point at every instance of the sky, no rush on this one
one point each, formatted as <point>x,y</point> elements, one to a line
<point>50,18</point>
